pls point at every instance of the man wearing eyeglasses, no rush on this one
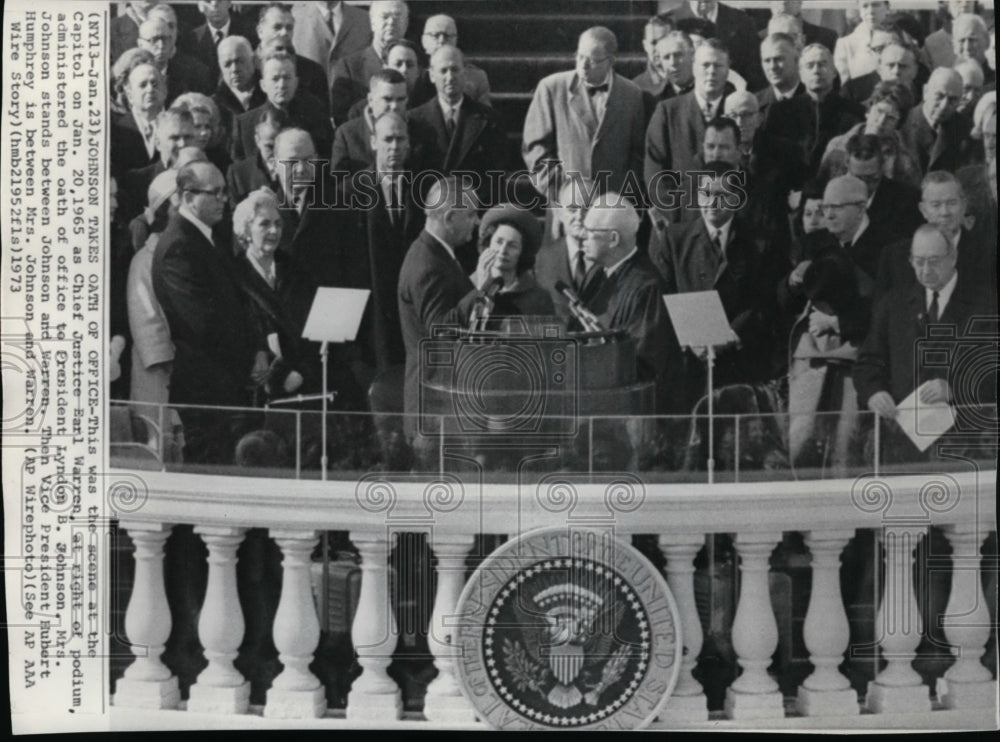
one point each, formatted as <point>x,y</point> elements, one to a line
<point>326,32</point>
<point>630,297</point>
<point>194,282</point>
<point>845,209</point>
<point>900,355</point>
<point>587,122</point>
<point>440,30</point>
<point>183,74</point>
<point>943,204</point>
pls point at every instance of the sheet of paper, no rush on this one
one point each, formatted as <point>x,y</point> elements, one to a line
<point>699,319</point>
<point>924,423</point>
<point>335,315</point>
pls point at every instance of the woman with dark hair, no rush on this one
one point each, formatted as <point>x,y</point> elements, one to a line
<point>886,108</point>
<point>512,235</point>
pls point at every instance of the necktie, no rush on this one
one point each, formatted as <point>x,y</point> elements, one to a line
<point>709,110</point>
<point>592,89</point>
<point>932,313</point>
<point>332,23</point>
<point>395,207</point>
<point>717,241</point>
<point>449,123</point>
<point>218,37</point>
<point>579,271</point>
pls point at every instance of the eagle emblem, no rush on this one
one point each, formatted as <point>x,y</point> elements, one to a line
<point>562,635</point>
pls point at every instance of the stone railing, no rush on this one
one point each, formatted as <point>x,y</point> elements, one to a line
<point>900,512</point>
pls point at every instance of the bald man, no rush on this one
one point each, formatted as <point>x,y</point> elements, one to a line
<point>934,131</point>
<point>812,33</point>
<point>194,282</point>
<point>220,24</point>
<point>587,122</point>
<point>970,39</point>
<point>891,364</point>
<point>238,90</point>
<point>630,297</point>
<point>440,30</point>
<point>779,56</point>
<point>460,134</point>
<point>389,20</point>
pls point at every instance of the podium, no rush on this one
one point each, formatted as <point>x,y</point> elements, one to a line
<point>527,377</point>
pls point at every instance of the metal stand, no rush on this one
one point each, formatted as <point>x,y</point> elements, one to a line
<point>711,415</point>
<point>324,459</point>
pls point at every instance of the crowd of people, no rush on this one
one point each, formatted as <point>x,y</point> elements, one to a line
<point>839,193</point>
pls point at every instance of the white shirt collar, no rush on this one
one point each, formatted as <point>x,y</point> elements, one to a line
<point>713,16</point>
<point>611,270</point>
<point>716,103</point>
<point>337,11</point>
<point>944,295</point>
<point>573,246</point>
<point>225,29</point>
<point>447,108</point>
<point>206,230</point>
<point>141,122</point>
<point>443,244</point>
<point>722,232</point>
<point>862,226</point>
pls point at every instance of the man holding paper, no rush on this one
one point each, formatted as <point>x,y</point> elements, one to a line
<point>921,341</point>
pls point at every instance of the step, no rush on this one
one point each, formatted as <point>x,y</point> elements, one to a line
<point>420,10</point>
<point>510,74</point>
<point>543,32</point>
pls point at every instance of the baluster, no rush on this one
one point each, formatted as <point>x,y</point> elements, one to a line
<point>148,683</point>
<point>826,632</point>
<point>220,688</point>
<point>296,693</point>
<point>688,701</point>
<point>374,695</point>
<point>898,688</point>
<point>754,694</point>
<point>967,683</point>
<point>444,701</point>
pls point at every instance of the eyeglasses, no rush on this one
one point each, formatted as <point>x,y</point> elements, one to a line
<point>219,193</point>
<point>840,207</point>
<point>440,35</point>
<point>596,230</point>
<point>591,60</point>
<point>156,40</point>
<point>741,115</point>
<point>935,262</point>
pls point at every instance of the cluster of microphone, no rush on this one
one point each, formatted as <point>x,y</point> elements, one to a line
<point>483,306</point>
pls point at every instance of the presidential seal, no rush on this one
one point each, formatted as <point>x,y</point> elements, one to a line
<point>568,629</point>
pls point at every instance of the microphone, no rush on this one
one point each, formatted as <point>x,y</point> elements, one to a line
<point>583,315</point>
<point>484,302</point>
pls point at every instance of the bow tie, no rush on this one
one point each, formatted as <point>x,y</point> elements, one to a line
<point>591,89</point>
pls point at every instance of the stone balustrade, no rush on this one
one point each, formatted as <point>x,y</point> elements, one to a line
<point>830,515</point>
